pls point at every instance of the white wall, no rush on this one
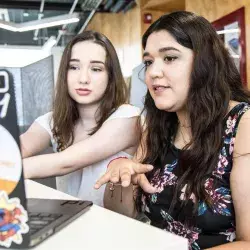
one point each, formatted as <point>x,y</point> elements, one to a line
<point>20,56</point>
<point>13,56</point>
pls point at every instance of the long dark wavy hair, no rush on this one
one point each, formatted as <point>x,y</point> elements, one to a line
<point>65,112</point>
<point>215,81</point>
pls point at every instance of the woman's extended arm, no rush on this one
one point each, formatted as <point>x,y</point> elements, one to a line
<point>114,136</point>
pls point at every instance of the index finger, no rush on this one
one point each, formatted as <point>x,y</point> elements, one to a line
<point>103,180</point>
<point>140,168</point>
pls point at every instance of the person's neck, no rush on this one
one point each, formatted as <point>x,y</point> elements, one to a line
<point>88,115</point>
<point>183,118</point>
<point>184,132</point>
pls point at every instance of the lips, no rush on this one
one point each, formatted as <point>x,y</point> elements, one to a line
<point>160,88</point>
<point>83,92</point>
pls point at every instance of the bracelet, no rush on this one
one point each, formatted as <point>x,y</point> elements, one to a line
<point>120,157</point>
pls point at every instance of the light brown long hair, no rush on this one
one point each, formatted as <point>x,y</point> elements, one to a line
<point>65,112</point>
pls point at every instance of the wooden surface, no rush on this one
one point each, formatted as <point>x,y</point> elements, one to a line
<point>164,5</point>
<point>124,31</point>
<point>155,15</point>
<point>215,9</point>
<point>157,8</point>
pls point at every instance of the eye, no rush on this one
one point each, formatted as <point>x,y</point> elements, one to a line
<point>73,67</point>
<point>96,69</point>
<point>170,58</point>
<point>147,63</point>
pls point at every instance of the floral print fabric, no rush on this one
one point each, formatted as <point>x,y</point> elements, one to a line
<point>211,226</point>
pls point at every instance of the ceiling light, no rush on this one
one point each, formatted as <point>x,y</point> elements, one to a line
<point>49,24</point>
<point>5,25</point>
<point>40,24</point>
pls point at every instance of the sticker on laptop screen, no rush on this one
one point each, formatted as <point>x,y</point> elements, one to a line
<point>13,220</point>
<point>10,161</point>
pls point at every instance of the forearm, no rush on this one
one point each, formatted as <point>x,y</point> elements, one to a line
<point>42,166</point>
<point>56,164</point>
<point>121,201</point>
<point>237,245</point>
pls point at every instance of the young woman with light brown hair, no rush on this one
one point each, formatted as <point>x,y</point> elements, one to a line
<point>90,124</point>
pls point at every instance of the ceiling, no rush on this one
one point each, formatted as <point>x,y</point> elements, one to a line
<point>19,11</point>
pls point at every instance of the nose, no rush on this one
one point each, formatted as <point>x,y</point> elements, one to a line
<point>84,76</point>
<point>155,70</point>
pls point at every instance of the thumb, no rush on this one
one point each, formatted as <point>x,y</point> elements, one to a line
<point>145,185</point>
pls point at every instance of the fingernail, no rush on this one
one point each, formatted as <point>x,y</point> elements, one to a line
<point>114,179</point>
<point>150,167</point>
<point>96,186</point>
<point>125,183</point>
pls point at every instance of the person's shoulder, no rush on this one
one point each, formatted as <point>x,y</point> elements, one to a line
<point>242,127</point>
<point>47,116</point>
<point>45,120</point>
<point>129,109</point>
<point>245,113</point>
<point>237,112</point>
<point>238,107</point>
<point>125,111</point>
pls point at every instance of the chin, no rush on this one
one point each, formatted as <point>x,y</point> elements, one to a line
<point>88,102</point>
<point>165,106</point>
<point>82,99</point>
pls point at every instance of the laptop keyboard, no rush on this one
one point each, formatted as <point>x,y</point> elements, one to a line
<point>37,221</point>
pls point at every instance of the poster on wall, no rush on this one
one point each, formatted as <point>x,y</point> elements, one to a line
<point>231,29</point>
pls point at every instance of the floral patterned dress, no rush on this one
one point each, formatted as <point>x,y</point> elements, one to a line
<point>212,226</point>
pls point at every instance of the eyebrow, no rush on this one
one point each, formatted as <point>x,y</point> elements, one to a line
<point>164,49</point>
<point>93,61</point>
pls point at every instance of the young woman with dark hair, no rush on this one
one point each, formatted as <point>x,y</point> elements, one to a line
<point>192,168</point>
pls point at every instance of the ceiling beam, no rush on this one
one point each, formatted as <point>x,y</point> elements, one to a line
<point>35,4</point>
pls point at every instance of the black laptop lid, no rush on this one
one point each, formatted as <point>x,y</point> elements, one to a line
<point>13,213</point>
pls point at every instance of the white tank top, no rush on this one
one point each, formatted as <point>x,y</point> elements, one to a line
<point>81,182</point>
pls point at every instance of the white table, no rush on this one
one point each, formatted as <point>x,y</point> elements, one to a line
<point>101,229</point>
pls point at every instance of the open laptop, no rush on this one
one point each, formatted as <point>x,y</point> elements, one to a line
<point>24,222</point>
